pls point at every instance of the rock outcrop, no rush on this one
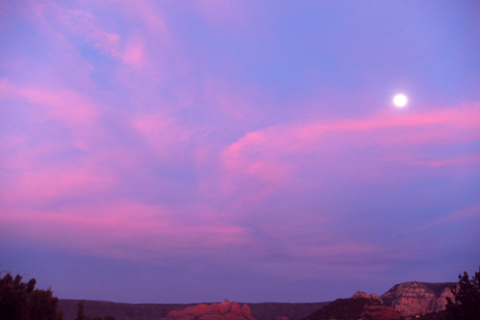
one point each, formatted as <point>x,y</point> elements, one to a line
<point>361,294</point>
<point>412,298</point>
<point>356,308</point>
<point>218,311</point>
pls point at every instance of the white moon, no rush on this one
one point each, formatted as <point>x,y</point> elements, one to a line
<point>400,100</point>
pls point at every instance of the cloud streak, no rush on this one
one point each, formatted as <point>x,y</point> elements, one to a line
<point>278,151</point>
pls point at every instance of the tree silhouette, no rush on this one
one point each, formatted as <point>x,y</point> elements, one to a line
<point>81,314</point>
<point>21,301</point>
<point>466,305</point>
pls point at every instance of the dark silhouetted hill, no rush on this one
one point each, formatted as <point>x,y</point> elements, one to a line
<point>356,308</point>
<point>291,311</point>
<point>121,311</point>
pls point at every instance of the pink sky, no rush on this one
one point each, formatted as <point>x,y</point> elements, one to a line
<point>248,149</point>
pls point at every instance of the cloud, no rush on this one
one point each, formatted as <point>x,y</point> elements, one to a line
<point>83,24</point>
<point>50,143</point>
<point>149,14</point>
<point>44,172</point>
<point>469,213</point>
<point>459,161</point>
<point>163,134</point>
<point>52,183</point>
<point>126,230</point>
<point>134,55</point>
<point>283,150</point>
<point>66,106</point>
<point>89,25</point>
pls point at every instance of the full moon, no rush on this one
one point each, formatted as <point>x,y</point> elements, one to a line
<point>400,100</point>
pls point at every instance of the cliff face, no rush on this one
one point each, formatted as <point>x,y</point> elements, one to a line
<point>412,298</point>
<point>224,310</point>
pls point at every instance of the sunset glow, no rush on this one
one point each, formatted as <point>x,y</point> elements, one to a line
<point>196,151</point>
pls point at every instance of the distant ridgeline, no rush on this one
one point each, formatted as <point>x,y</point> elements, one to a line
<point>403,300</point>
<point>127,311</point>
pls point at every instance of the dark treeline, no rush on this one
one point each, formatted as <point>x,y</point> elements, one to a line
<point>21,301</point>
<point>466,305</point>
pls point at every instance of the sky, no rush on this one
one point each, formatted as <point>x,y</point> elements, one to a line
<point>196,151</point>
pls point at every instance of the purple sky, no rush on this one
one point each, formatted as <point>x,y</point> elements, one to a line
<point>195,151</point>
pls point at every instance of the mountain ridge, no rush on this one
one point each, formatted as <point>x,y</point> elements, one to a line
<point>156,311</point>
<point>407,298</point>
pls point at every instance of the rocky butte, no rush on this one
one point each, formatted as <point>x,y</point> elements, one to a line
<point>361,294</point>
<point>218,311</point>
<point>412,298</point>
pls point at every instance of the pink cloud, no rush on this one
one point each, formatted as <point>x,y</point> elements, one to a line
<point>52,183</point>
<point>145,12</point>
<point>66,106</point>
<point>267,171</point>
<point>36,170</point>
<point>29,176</point>
<point>285,147</point>
<point>163,134</point>
<point>134,55</point>
<point>83,24</point>
<point>126,230</point>
<point>88,25</point>
<point>68,109</point>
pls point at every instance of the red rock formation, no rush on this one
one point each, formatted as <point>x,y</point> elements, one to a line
<point>412,298</point>
<point>361,294</point>
<point>245,311</point>
<point>218,311</point>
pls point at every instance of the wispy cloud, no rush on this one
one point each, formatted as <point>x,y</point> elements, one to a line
<point>353,144</point>
<point>122,230</point>
<point>472,213</point>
